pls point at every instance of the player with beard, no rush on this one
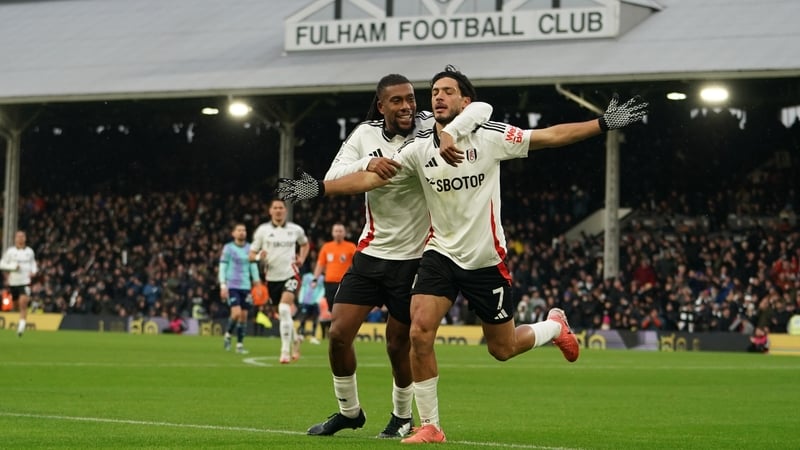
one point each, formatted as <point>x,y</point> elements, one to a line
<point>466,249</point>
<point>388,252</point>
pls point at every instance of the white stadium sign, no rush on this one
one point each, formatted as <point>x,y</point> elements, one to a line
<point>443,27</point>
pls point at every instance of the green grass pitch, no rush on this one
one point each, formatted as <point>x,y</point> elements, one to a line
<point>105,390</point>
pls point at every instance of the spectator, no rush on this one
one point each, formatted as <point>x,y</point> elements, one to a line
<point>759,341</point>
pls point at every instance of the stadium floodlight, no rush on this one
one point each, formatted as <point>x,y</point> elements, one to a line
<point>239,109</point>
<point>208,111</point>
<point>676,96</point>
<point>714,94</point>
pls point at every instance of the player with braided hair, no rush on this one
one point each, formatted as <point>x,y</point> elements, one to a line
<point>388,250</point>
<point>466,248</point>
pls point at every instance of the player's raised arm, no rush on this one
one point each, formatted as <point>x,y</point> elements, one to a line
<point>615,117</point>
<point>307,187</point>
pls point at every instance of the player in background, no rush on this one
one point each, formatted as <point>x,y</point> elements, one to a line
<point>466,248</point>
<point>312,292</point>
<point>20,263</point>
<point>388,251</point>
<point>282,247</point>
<point>335,257</point>
<point>237,275</point>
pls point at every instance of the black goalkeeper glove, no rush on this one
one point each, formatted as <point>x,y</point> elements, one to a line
<point>304,188</point>
<point>621,116</point>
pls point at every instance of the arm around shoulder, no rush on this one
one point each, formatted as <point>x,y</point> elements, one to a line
<point>474,115</point>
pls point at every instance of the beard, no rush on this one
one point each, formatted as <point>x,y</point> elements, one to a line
<point>395,127</point>
<point>446,118</point>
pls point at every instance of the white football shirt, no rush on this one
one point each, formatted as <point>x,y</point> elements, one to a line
<point>396,217</point>
<point>464,201</point>
<point>20,264</point>
<point>397,221</point>
<point>281,243</point>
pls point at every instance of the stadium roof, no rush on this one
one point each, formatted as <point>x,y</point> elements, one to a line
<point>76,50</point>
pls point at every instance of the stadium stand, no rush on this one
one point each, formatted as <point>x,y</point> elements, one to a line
<point>683,267</point>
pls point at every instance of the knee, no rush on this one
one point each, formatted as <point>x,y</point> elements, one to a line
<point>421,338</point>
<point>337,339</point>
<point>397,345</point>
<point>500,352</point>
<point>285,311</point>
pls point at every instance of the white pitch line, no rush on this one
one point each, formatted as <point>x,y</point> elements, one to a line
<point>147,423</point>
<point>319,362</point>
<point>245,429</point>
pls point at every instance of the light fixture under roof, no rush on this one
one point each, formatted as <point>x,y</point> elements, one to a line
<point>239,109</point>
<point>208,111</point>
<point>714,94</point>
<point>676,96</point>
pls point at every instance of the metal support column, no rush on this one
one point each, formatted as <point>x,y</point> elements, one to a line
<point>11,187</point>
<point>286,159</point>
<point>611,216</point>
<point>286,120</point>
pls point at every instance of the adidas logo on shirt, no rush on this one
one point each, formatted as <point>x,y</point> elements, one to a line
<point>432,163</point>
<point>376,154</point>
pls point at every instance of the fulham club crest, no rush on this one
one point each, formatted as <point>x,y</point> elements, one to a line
<point>472,155</point>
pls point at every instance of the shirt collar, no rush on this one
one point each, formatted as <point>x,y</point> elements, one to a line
<point>389,135</point>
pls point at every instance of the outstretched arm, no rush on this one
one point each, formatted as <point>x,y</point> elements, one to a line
<point>615,117</point>
<point>357,183</point>
<point>564,134</point>
<point>306,187</point>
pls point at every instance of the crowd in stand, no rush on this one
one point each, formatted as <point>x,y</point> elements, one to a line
<point>155,253</point>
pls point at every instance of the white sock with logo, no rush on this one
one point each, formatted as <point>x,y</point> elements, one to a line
<point>401,399</point>
<point>545,331</point>
<point>285,316</point>
<point>346,390</point>
<point>427,401</point>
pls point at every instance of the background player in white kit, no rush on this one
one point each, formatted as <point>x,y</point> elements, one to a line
<point>388,253</point>
<point>283,247</point>
<point>20,263</point>
<point>466,249</point>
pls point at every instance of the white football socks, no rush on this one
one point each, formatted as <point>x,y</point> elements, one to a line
<point>545,331</point>
<point>286,326</point>
<point>346,390</point>
<point>427,401</point>
<point>401,399</point>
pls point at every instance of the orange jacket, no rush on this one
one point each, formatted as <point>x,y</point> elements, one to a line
<point>335,258</point>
